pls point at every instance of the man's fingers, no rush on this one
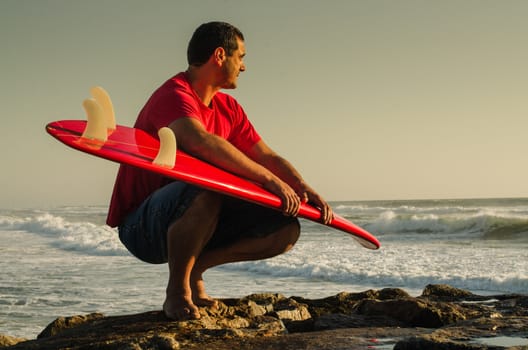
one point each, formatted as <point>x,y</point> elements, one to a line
<point>328,214</point>
<point>291,204</point>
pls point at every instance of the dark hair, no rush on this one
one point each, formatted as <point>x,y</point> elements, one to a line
<point>208,37</point>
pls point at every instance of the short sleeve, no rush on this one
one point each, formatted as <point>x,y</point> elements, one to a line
<point>173,100</point>
<point>244,134</point>
<point>173,104</point>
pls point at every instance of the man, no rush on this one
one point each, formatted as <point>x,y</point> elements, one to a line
<point>161,220</point>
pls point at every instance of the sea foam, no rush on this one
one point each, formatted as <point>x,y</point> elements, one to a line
<point>84,237</point>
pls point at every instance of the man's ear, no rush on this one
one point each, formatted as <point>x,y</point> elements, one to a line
<point>219,55</point>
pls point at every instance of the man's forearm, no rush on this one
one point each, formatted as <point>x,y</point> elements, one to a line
<point>218,151</point>
<point>284,170</point>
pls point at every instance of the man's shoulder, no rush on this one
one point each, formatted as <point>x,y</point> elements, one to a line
<point>173,87</point>
<point>226,99</point>
<point>179,81</point>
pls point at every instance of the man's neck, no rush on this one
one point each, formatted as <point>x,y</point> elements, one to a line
<point>202,84</point>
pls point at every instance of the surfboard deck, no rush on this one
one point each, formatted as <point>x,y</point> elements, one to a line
<point>137,148</point>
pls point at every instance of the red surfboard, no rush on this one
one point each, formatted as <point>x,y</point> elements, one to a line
<point>137,148</point>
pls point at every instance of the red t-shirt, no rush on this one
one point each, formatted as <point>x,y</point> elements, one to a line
<point>176,99</point>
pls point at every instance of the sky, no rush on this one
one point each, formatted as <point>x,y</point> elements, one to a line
<point>370,100</point>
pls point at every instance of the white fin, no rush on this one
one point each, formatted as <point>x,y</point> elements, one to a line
<point>103,99</point>
<point>95,132</point>
<point>167,152</point>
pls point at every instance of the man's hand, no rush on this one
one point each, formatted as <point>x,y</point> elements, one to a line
<point>307,194</point>
<point>289,186</point>
<point>290,200</point>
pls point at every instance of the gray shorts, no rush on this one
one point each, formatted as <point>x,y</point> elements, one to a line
<point>144,231</point>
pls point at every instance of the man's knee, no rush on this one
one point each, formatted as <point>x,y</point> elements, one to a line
<point>208,202</point>
<point>203,211</point>
<point>291,234</point>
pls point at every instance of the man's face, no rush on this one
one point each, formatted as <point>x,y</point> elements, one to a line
<point>233,65</point>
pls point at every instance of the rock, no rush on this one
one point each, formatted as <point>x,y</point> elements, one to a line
<point>445,292</point>
<point>6,340</point>
<point>413,312</point>
<point>62,323</point>
<point>443,317</point>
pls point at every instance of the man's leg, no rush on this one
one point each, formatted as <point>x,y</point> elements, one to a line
<point>186,238</point>
<point>245,249</point>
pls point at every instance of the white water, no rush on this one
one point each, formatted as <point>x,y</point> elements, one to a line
<point>65,261</point>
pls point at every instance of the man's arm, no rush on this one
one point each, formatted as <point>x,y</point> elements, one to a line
<point>264,155</point>
<point>194,139</point>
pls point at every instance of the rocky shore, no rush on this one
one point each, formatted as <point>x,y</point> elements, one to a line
<point>441,318</point>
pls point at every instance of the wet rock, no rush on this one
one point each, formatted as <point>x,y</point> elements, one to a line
<point>443,317</point>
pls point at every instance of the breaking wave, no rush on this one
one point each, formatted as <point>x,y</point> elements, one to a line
<point>83,237</point>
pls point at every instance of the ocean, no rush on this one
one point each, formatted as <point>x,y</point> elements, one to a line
<point>64,261</point>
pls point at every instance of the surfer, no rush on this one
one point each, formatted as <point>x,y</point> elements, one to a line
<point>161,220</point>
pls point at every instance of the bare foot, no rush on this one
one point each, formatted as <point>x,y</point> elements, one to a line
<point>180,308</point>
<point>199,296</point>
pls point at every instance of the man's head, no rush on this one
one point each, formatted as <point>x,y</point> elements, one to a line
<point>208,37</point>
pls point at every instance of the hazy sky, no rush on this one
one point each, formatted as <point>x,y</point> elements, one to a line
<point>369,99</point>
